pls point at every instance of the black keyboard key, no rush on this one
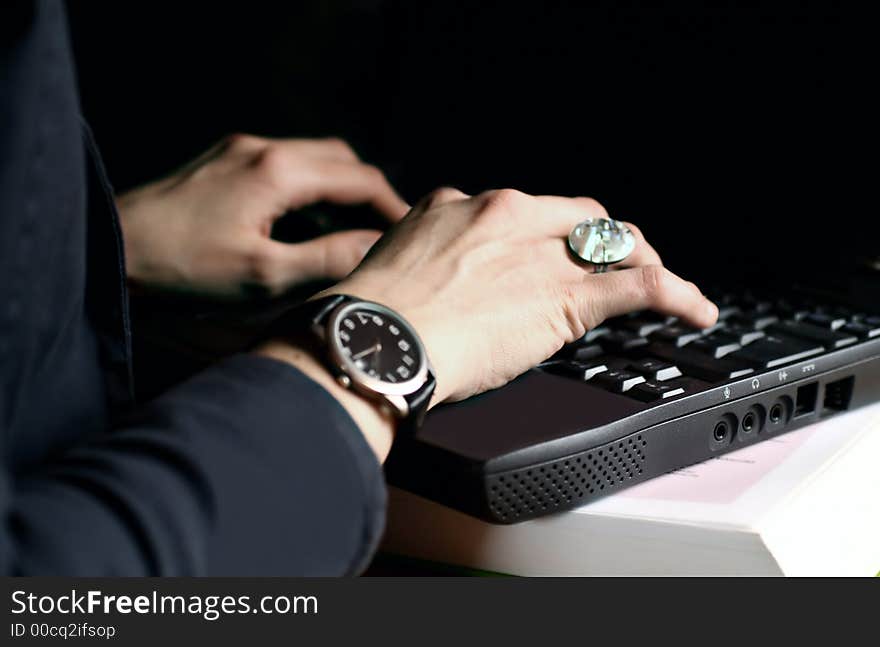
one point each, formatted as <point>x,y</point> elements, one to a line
<point>578,351</point>
<point>830,339</point>
<point>617,380</point>
<point>620,341</point>
<point>698,364</point>
<point>594,334</point>
<point>583,353</point>
<point>792,310</point>
<point>773,350</point>
<point>726,311</point>
<point>677,334</point>
<point>754,320</point>
<point>868,320</point>
<point>755,305</point>
<point>742,335</point>
<point>862,330</point>
<point>823,320</point>
<point>651,315</point>
<point>721,297</point>
<point>836,311</point>
<point>655,369</point>
<point>583,371</point>
<point>717,344</point>
<point>651,390</point>
<point>640,326</point>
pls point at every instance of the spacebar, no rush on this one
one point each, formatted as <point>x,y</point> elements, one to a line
<point>697,364</point>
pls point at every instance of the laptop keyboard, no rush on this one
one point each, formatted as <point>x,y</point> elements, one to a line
<point>652,357</point>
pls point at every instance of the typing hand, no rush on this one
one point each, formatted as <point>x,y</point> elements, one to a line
<point>206,228</point>
<point>488,283</point>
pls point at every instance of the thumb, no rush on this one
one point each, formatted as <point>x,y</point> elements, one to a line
<point>333,256</point>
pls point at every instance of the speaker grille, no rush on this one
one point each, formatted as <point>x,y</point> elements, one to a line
<point>566,482</point>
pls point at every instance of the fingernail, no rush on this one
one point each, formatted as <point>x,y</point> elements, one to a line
<point>711,311</point>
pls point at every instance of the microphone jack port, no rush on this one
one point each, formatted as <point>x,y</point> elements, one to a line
<point>723,431</point>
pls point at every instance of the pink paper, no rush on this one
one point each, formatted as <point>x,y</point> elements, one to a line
<point>725,478</point>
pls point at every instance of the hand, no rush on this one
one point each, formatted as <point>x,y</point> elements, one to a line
<point>206,228</point>
<point>491,288</point>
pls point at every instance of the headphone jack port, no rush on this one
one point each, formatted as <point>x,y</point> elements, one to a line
<point>752,422</point>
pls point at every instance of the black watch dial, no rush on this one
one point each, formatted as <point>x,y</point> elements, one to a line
<point>374,342</point>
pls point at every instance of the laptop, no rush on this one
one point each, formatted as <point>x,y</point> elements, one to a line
<point>643,395</point>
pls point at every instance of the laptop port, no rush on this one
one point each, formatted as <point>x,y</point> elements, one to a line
<point>776,413</point>
<point>780,412</point>
<point>806,399</point>
<point>723,431</point>
<point>752,422</point>
<point>838,395</point>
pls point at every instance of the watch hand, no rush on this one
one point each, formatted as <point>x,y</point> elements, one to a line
<point>376,356</point>
<point>375,348</point>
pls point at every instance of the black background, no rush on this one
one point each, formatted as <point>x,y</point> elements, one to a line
<point>739,137</point>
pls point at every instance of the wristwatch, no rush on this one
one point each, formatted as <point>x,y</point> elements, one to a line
<point>369,349</point>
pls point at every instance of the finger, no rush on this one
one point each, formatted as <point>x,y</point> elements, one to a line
<point>440,196</point>
<point>333,256</point>
<point>234,146</point>
<point>345,183</point>
<point>559,215</point>
<point>642,254</point>
<point>650,287</point>
<point>327,148</point>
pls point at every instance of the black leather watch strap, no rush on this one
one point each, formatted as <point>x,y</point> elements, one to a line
<point>418,406</point>
<point>315,312</point>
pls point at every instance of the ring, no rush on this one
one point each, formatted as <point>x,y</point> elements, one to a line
<point>601,242</point>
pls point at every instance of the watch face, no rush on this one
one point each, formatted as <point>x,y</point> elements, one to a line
<point>377,347</point>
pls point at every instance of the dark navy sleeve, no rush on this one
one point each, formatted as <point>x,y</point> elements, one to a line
<point>248,468</point>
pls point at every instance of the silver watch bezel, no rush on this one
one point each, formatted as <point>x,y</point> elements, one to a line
<point>360,380</point>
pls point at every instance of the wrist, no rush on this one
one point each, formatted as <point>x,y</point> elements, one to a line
<point>132,245</point>
<point>416,314</point>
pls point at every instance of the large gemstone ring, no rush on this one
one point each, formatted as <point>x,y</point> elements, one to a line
<point>601,242</point>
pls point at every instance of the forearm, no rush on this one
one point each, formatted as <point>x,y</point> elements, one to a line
<point>248,468</point>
